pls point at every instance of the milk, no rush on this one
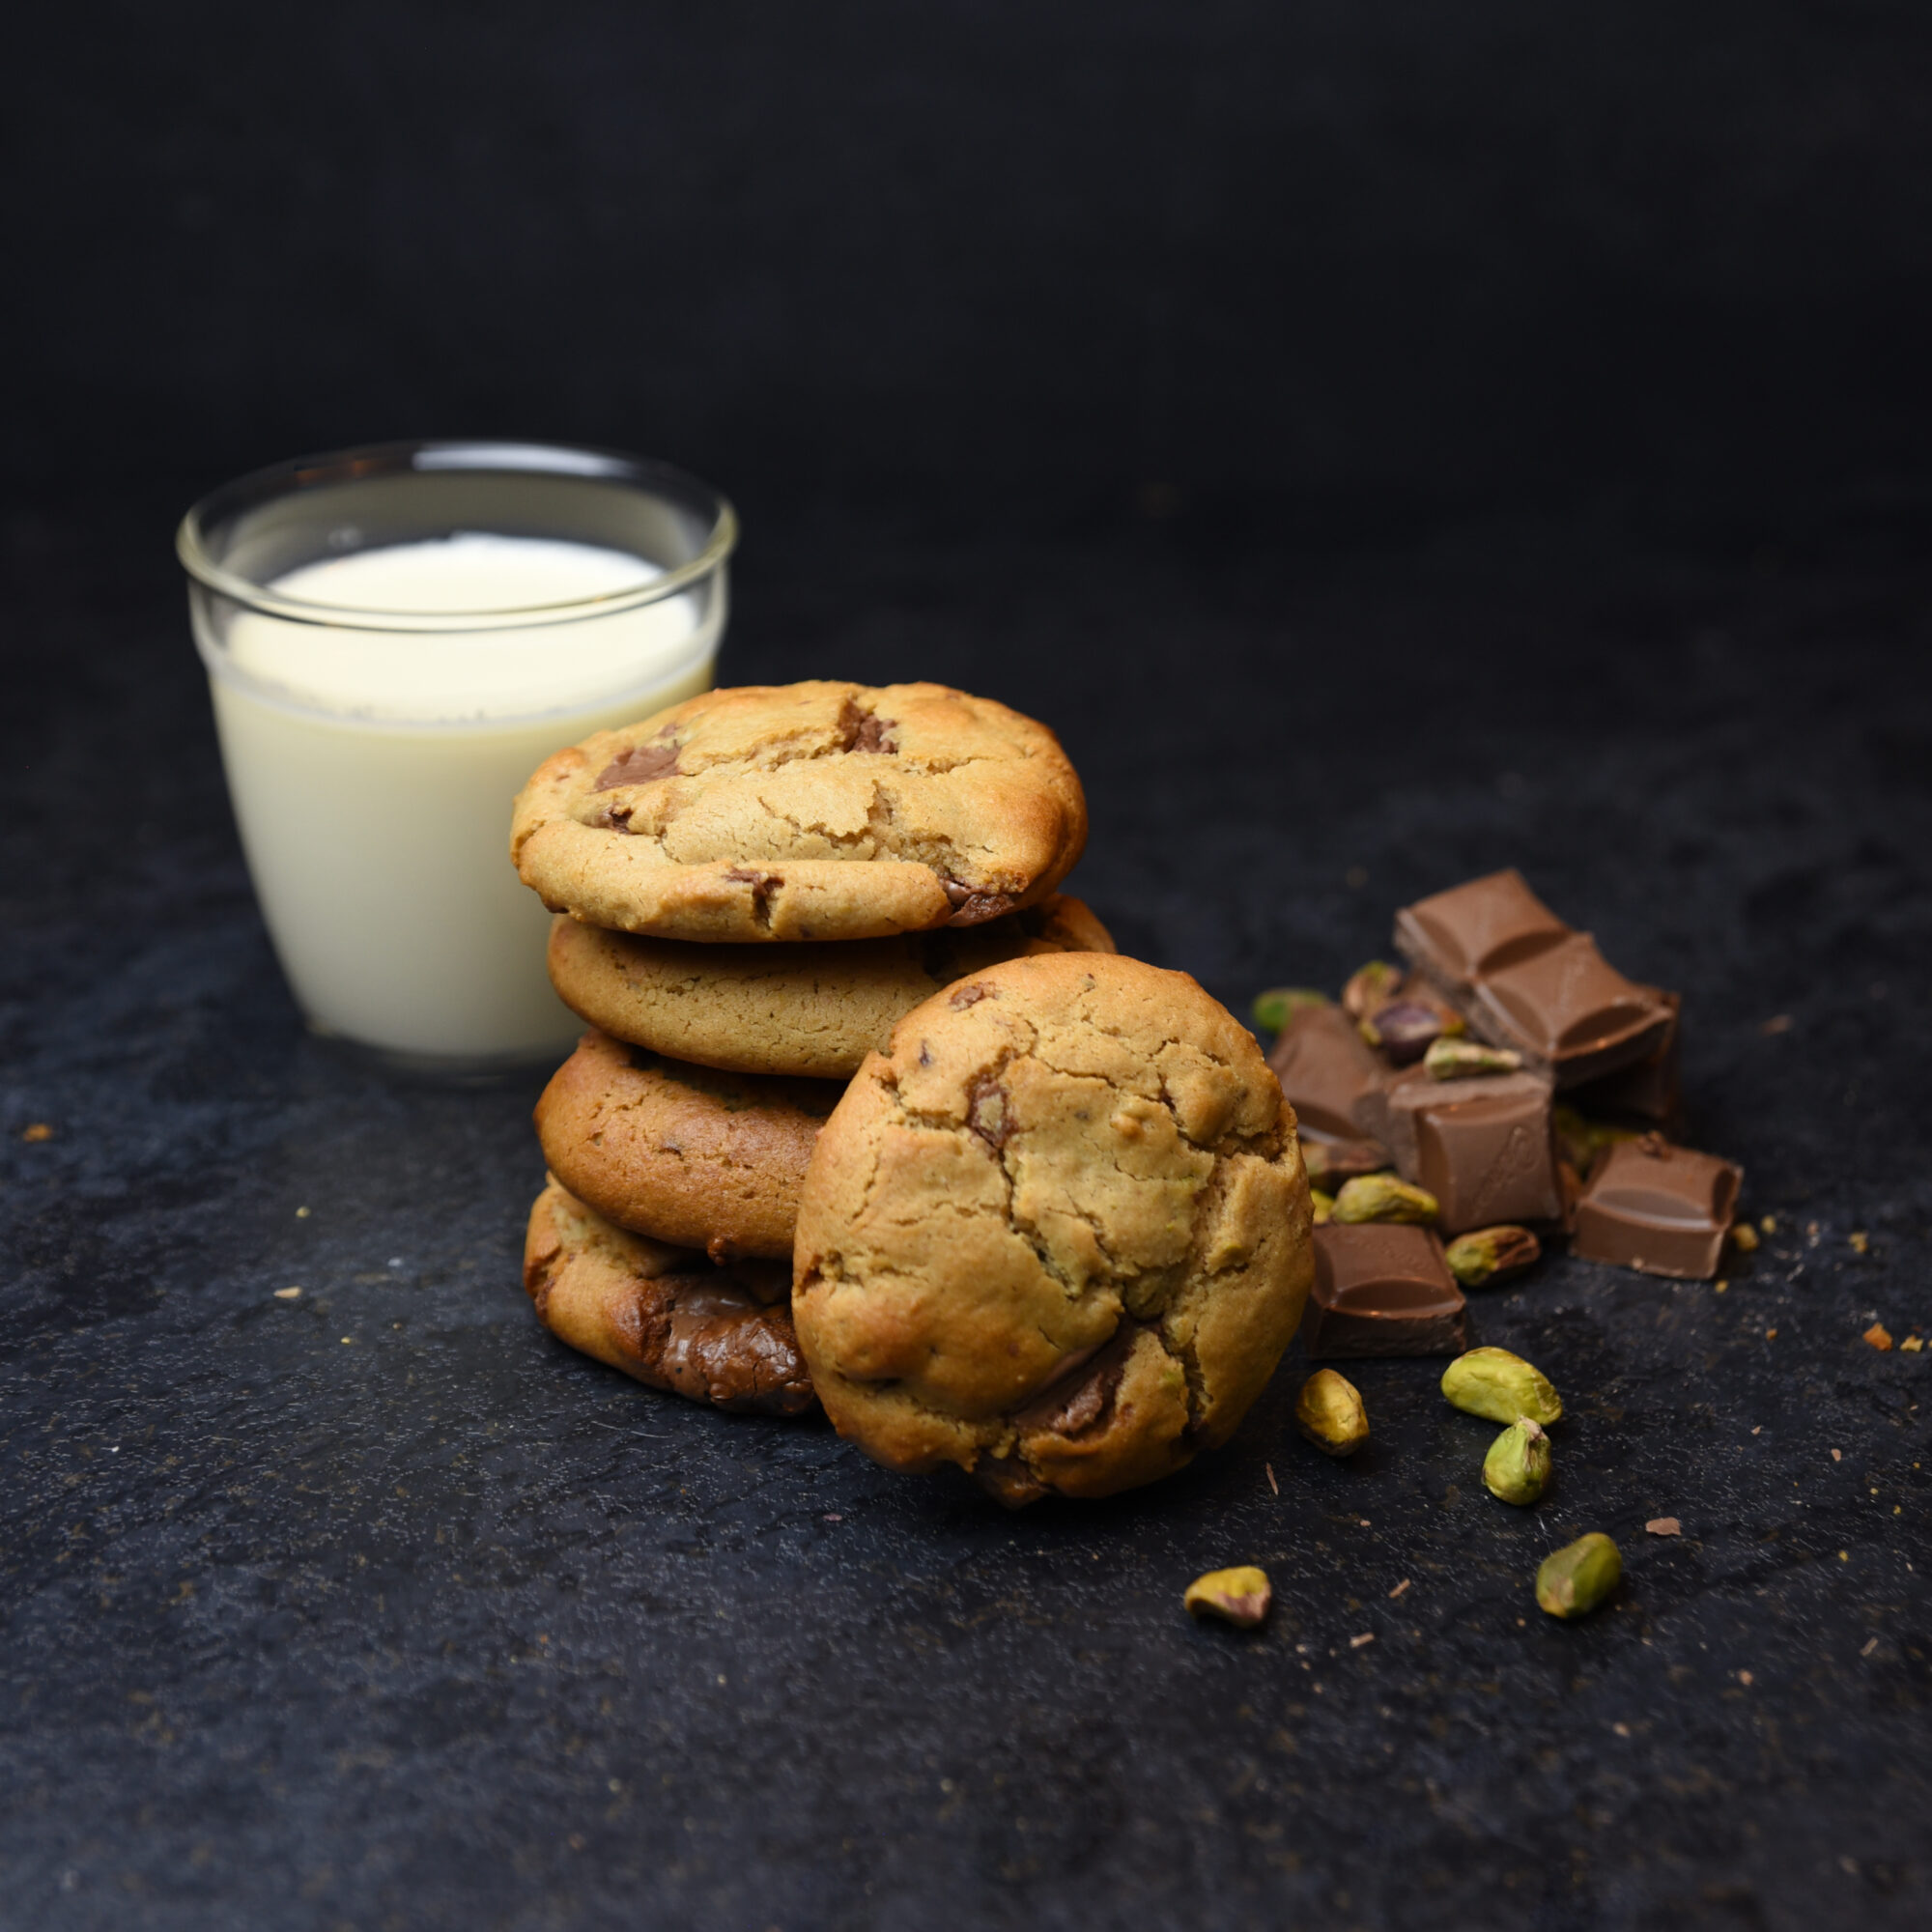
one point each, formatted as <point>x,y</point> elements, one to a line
<point>372,771</point>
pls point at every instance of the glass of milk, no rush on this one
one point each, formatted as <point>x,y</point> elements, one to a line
<point>395,638</point>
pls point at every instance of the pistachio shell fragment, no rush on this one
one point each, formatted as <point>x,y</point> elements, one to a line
<point>1492,1383</point>
<point>1241,1596</point>
<point>1517,1467</point>
<point>1384,1197</point>
<point>1329,1412</point>
<point>1273,1010</point>
<point>1324,1205</point>
<point>1575,1579</point>
<point>1450,1059</point>
<point>1491,1254</point>
<point>1371,986</point>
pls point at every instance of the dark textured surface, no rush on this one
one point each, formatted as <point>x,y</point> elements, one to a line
<point>380,1609</point>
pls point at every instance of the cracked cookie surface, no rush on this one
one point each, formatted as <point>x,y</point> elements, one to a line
<point>682,1153</point>
<point>1057,1234</point>
<point>665,1315</point>
<point>790,1009</point>
<point>803,812</point>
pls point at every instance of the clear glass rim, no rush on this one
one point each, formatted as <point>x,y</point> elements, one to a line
<point>644,474</point>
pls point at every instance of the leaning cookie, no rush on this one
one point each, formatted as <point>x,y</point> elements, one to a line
<point>801,1008</point>
<point>662,1314</point>
<point>682,1153</point>
<point>1057,1234</point>
<point>818,811</point>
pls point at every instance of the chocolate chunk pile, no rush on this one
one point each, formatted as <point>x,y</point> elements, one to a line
<point>1505,1087</point>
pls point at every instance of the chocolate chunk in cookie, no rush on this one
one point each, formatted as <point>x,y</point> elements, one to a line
<point>665,1315</point>
<point>804,811</point>
<point>1056,1233</point>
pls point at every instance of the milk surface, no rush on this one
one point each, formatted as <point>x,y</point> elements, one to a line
<point>373,773</point>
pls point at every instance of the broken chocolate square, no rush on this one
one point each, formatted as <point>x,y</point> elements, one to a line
<point>1476,928</point>
<point>1664,1210</point>
<point>1568,1010</point>
<point>1524,980</point>
<point>1382,1289</point>
<point>1331,1075</point>
<point>1649,1089</point>
<point>1486,1147</point>
<point>1331,1162</point>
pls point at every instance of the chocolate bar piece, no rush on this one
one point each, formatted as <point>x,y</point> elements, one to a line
<point>1485,1147</point>
<point>1649,1089</point>
<point>1330,1074</point>
<point>1382,1289</point>
<point>1664,1210</point>
<point>1524,980</point>
<point>1475,929</point>
<point>1330,1161</point>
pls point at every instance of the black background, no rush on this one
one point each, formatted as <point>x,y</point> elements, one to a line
<point>1370,266</point>
<point>1386,442</point>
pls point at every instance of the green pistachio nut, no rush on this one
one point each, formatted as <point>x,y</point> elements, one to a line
<point>1324,1205</point>
<point>1371,986</point>
<point>1576,1578</point>
<point>1492,1383</point>
<point>1491,1254</point>
<point>1274,1008</point>
<point>1450,1059</point>
<point>1384,1197</point>
<point>1517,1467</point>
<point>1329,1412</point>
<point>1241,1596</point>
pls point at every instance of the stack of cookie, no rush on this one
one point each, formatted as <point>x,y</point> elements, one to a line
<point>753,888</point>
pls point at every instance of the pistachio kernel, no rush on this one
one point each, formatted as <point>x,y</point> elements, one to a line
<point>1329,1412</point>
<point>1371,986</point>
<point>1273,1010</point>
<point>1575,1579</point>
<point>1241,1596</point>
<point>1491,1254</point>
<point>1323,1205</point>
<point>1503,1388</point>
<point>1450,1059</point>
<point>1384,1197</point>
<point>1517,1469</point>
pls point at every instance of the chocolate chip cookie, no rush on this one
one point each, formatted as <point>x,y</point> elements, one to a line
<point>665,1315</point>
<point>789,1009</point>
<point>682,1153</point>
<point>818,811</point>
<point>1056,1233</point>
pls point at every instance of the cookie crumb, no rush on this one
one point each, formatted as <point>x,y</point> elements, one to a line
<point>347,1341</point>
<point>1912,1345</point>
<point>1357,1642</point>
<point>1399,1587</point>
<point>1778,1023</point>
<point>1860,1241</point>
<point>1837,1455</point>
<point>1745,1678</point>
<point>831,1517</point>
<point>1622,1730</point>
<point>287,1293</point>
<point>1870,1646</point>
<point>1664,1525</point>
<point>38,1130</point>
<point>1878,1336</point>
<point>302,1213</point>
